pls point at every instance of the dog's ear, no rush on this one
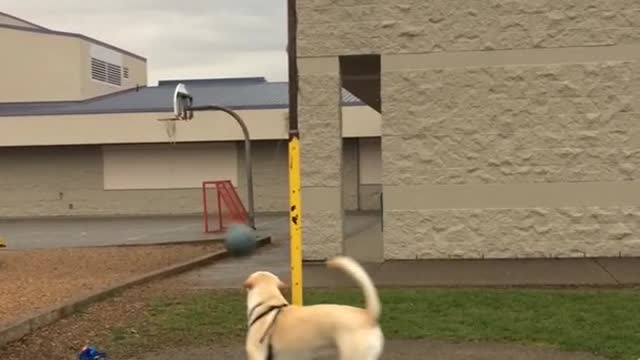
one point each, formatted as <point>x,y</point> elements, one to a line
<point>281,284</point>
<point>248,283</point>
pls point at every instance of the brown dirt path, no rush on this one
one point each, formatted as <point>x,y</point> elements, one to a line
<point>400,350</point>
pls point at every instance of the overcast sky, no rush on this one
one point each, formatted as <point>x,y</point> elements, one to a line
<point>180,39</point>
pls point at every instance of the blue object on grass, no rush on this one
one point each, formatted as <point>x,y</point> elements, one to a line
<point>89,353</point>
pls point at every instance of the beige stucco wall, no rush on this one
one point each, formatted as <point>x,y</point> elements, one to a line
<point>328,27</point>
<point>168,166</point>
<point>263,124</point>
<point>38,66</point>
<point>270,175</point>
<point>321,161</point>
<point>509,129</point>
<point>34,178</point>
<point>48,181</point>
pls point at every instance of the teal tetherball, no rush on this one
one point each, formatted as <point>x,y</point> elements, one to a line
<point>240,240</point>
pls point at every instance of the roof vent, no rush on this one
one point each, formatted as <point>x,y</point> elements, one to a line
<point>106,72</point>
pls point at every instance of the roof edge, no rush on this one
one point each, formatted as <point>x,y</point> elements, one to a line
<point>231,80</point>
<point>158,110</point>
<point>23,20</point>
<point>69,102</point>
<point>43,30</point>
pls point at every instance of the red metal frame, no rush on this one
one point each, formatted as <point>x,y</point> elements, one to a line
<point>225,193</point>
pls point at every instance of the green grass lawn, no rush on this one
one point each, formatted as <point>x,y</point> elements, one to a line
<point>603,322</point>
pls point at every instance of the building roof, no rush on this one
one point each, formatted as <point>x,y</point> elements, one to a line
<point>40,29</point>
<point>235,93</point>
<point>22,20</point>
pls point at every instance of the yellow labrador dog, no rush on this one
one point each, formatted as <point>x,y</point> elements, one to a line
<point>281,331</point>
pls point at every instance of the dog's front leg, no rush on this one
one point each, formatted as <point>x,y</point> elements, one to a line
<point>254,352</point>
<point>253,355</point>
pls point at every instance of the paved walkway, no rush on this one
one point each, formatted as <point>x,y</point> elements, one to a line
<point>230,273</point>
<point>360,232</point>
<point>400,350</point>
<point>71,232</point>
<point>74,232</point>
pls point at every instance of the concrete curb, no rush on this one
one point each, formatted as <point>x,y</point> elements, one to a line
<point>125,245</point>
<point>20,328</point>
<point>217,240</point>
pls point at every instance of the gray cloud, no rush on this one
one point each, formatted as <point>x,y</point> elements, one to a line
<point>192,39</point>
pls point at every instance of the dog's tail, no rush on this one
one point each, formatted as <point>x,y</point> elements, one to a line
<point>353,269</point>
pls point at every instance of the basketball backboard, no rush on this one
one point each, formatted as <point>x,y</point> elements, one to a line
<point>182,102</point>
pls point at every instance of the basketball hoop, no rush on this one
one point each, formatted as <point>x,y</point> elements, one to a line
<point>182,102</point>
<point>183,110</point>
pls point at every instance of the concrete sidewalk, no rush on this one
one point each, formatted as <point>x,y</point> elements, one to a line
<point>73,232</point>
<point>79,232</point>
<point>230,273</point>
<point>359,231</point>
<point>492,273</point>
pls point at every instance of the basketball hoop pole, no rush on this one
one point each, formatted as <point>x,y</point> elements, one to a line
<point>247,153</point>
<point>295,213</point>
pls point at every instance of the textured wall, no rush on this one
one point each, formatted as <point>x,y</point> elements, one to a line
<point>33,178</point>
<point>25,77</point>
<point>519,124</point>
<point>321,164</point>
<point>517,232</point>
<point>510,124</point>
<point>340,27</point>
<point>495,94</point>
<point>270,175</point>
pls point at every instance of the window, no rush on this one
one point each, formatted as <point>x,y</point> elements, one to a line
<point>125,72</point>
<point>106,72</point>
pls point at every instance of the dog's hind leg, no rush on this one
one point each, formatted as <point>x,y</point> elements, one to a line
<point>376,344</point>
<point>361,345</point>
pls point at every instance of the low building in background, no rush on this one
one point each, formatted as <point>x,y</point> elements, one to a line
<point>80,136</point>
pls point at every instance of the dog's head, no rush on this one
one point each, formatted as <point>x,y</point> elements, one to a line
<point>263,280</point>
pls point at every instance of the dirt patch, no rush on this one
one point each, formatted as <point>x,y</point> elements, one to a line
<point>31,280</point>
<point>94,325</point>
